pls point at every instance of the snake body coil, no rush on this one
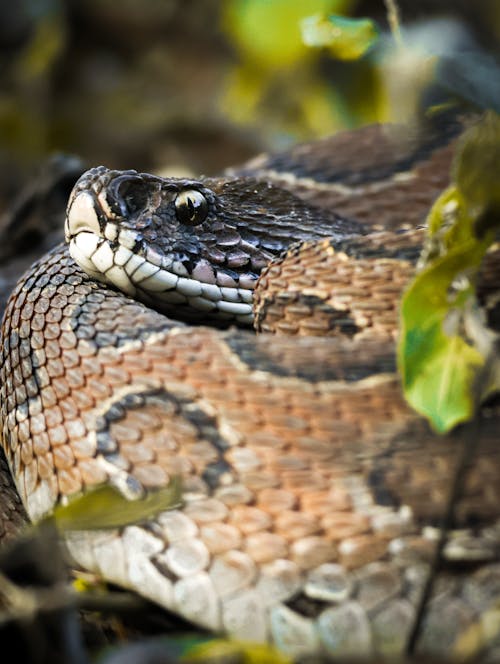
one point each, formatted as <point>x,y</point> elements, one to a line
<point>312,495</point>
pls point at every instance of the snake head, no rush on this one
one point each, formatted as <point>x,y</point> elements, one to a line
<point>164,241</point>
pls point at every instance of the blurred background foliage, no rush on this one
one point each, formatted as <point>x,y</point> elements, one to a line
<point>191,86</point>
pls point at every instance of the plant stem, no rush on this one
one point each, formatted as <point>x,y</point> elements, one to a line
<point>393,18</point>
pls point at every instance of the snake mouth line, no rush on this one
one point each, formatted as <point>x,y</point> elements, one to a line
<point>110,255</point>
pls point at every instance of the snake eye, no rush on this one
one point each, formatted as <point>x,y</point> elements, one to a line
<point>191,207</point>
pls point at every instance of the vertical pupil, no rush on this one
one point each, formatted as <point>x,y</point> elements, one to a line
<point>191,207</point>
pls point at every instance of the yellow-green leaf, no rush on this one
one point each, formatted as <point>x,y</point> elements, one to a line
<point>240,652</point>
<point>107,507</point>
<point>446,353</point>
<point>269,32</point>
<point>438,365</point>
<point>345,38</point>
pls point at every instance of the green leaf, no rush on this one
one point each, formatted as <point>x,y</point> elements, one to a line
<point>446,354</point>
<point>345,38</point>
<point>438,366</point>
<point>269,32</point>
<point>239,652</point>
<point>106,507</point>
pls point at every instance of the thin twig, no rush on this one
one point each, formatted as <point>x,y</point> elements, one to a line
<point>111,602</point>
<point>470,436</point>
<point>20,603</point>
<point>393,18</point>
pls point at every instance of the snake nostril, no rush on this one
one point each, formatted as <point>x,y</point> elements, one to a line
<point>130,193</point>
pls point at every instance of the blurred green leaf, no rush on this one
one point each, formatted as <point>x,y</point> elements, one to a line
<point>444,343</point>
<point>277,83</point>
<point>438,365</point>
<point>269,32</point>
<point>239,652</point>
<point>345,38</point>
<point>43,50</point>
<point>106,507</point>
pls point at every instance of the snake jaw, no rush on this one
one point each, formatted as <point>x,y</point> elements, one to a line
<point>89,235</point>
<point>82,231</point>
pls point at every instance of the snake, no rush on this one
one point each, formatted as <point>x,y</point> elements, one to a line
<point>312,495</point>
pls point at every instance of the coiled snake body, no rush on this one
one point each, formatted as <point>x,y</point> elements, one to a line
<point>312,495</point>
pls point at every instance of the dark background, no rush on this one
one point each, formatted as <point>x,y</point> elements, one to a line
<point>170,85</point>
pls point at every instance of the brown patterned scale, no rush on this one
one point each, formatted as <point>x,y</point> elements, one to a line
<point>312,495</point>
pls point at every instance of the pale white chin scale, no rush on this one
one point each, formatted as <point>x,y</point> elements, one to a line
<point>79,253</point>
<point>96,258</point>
